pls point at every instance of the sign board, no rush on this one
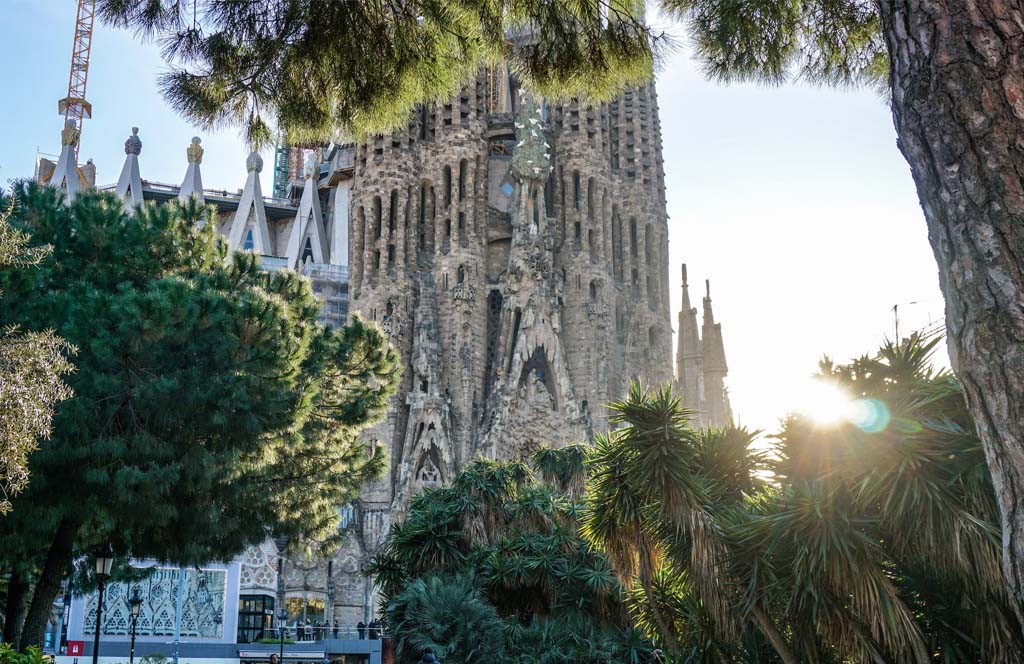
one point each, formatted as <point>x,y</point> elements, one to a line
<point>307,655</point>
<point>76,648</point>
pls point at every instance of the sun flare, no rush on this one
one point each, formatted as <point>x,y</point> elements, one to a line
<point>825,403</point>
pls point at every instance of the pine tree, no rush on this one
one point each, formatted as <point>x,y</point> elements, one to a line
<point>321,68</point>
<point>209,409</point>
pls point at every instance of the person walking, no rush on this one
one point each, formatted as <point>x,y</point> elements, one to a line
<point>335,632</point>
<point>428,657</point>
<point>361,628</point>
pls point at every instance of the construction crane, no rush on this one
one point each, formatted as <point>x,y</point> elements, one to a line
<point>74,106</point>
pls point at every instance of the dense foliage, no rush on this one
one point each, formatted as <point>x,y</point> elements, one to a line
<point>499,549</point>
<point>209,406</point>
<point>871,540</point>
<point>31,366</point>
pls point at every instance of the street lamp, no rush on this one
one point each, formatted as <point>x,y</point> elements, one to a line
<point>135,604</point>
<point>282,617</point>
<point>104,562</point>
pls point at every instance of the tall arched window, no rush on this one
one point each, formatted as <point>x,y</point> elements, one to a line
<point>447,186</point>
<point>463,177</point>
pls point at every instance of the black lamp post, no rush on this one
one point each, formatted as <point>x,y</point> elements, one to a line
<point>282,617</point>
<point>135,604</point>
<point>104,562</point>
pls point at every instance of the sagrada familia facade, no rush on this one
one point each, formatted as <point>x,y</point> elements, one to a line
<point>515,252</point>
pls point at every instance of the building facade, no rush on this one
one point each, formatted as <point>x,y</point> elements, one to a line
<point>516,254</point>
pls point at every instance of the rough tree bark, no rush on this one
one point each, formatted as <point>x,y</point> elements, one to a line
<point>957,77</point>
<point>58,558</point>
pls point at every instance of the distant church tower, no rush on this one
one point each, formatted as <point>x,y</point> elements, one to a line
<point>700,362</point>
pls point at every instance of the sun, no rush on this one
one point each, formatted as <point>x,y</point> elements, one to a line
<point>825,403</point>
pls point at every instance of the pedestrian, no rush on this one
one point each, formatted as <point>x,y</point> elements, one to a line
<point>361,628</point>
<point>428,657</point>
<point>335,629</point>
<point>374,629</point>
<point>273,658</point>
<point>309,630</point>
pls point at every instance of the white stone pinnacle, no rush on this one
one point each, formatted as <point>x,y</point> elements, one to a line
<point>129,185</point>
<point>251,209</point>
<point>192,185</point>
<point>309,222</point>
<point>65,175</point>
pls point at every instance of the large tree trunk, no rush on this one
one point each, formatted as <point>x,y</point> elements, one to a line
<point>957,77</point>
<point>58,558</point>
<point>14,608</point>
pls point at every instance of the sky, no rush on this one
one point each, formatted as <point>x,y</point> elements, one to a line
<point>794,201</point>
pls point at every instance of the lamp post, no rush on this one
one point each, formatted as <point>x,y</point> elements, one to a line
<point>282,617</point>
<point>135,604</point>
<point>104,562</point>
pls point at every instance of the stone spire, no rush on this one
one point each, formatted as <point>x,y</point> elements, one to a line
<point>309,223</point>
<point>689,358</point>
<point>249,230</point>
<point>716,397</point>
<point>129,185</point>
<point>65,175</point>
<point>192,185</point>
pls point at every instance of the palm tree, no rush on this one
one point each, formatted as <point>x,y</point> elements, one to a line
<point>516,540</point>
<point>448,614</point>
<point>870,518</point>
<point>656,488</point>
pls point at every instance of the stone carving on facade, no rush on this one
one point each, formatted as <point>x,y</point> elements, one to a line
<point>69,134</point>
<point>194,151</point>
<point>477,216</point>
<point>258,569</point>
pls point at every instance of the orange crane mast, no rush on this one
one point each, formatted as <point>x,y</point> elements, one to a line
<point>74,106</point>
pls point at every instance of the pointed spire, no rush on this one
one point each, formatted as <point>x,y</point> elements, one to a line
<point>709,315</point>
<point>192,185</point>
<point>129,185</point>
<point>309,224</point>
<point>251,214</point>
<point>689,359</point>
<point>65,175</point>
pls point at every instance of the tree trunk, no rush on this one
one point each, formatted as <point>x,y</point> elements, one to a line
<point>14,608</point>
<point>768,628</point>
<point>957,77</point>
<point>666,630</point>
<point>58,558</point>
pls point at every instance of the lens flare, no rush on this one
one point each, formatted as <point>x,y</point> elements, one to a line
<point>829,404</point>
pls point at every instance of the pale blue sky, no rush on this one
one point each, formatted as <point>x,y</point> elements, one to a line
<point>794,201</point>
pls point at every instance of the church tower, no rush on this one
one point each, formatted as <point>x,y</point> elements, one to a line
<point>700,362</point>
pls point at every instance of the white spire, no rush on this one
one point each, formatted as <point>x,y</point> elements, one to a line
<point>250,207</point>
<point>192,185</point>
<point>65,175</point>
<point>129,185</point>
<point>309,223</point>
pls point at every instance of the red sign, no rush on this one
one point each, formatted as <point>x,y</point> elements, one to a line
<point>76,648</point>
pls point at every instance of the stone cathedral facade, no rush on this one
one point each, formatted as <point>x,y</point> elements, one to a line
<point>516,254</point>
